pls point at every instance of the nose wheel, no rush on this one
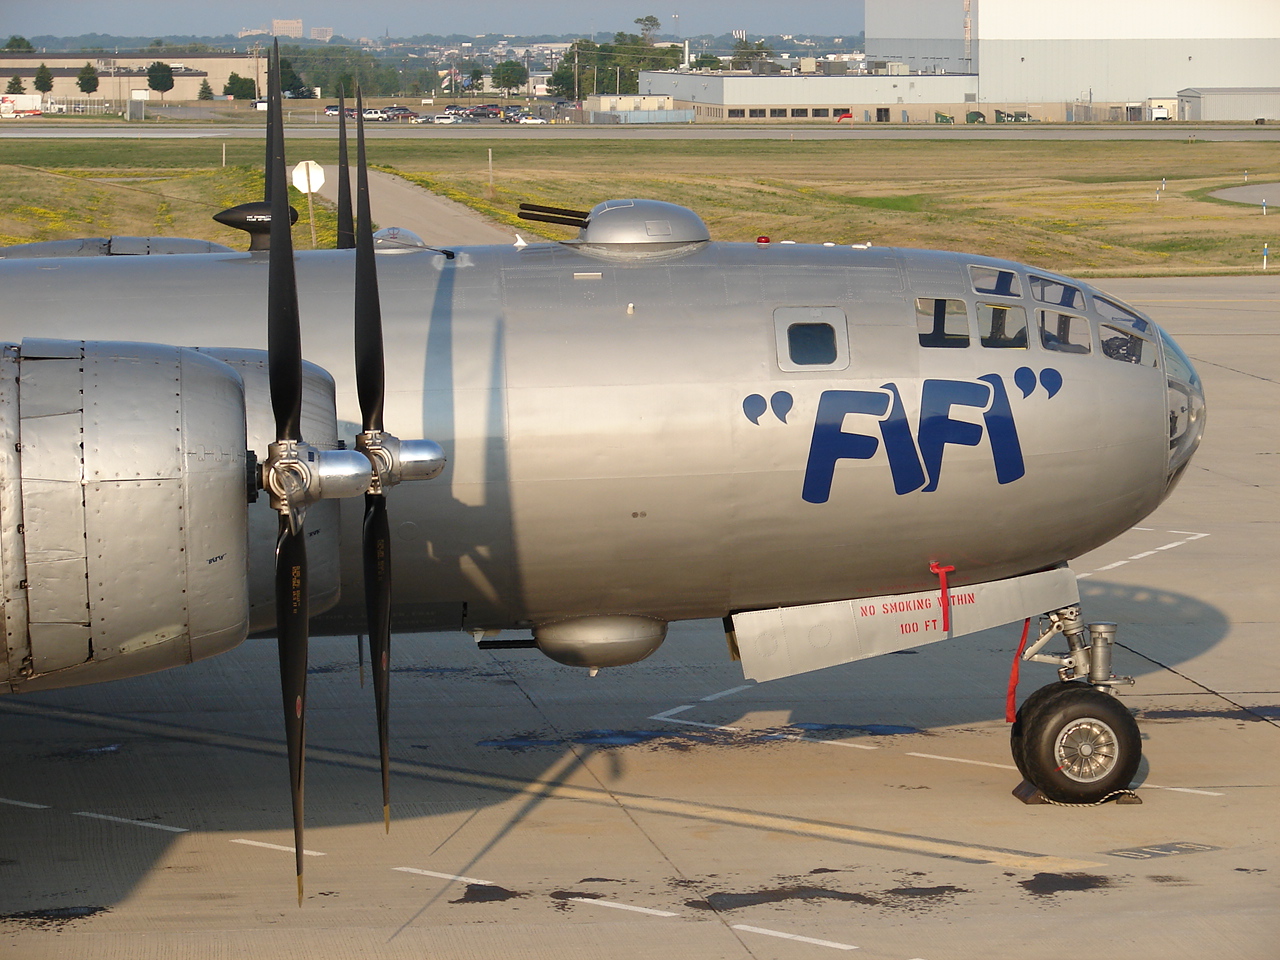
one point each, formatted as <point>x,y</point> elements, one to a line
<point>1075,743</point>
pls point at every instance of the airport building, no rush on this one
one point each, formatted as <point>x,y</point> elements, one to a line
<point>952,60</point>
<point>123,76</point>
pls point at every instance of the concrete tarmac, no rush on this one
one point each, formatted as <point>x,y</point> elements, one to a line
<point>670,808</point>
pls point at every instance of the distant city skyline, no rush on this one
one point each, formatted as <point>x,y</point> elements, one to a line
<point>404,18</point>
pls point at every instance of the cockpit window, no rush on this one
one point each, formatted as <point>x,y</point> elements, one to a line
<point>1123,344</point>
<point>942,323</point>
<point>1064,332</point>
<point>1002,326</point>
<point>1056,292</point>
<point>993,280</point>
<point>1118,314</point>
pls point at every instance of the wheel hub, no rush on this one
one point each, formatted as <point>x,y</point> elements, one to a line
<point>1086,750</point>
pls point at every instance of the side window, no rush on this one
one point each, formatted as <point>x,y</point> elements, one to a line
<point>1064,332</point>
<point>1124,345</point>
<point>942,323</point>
<point>1118,314</point>
<point>811,338</point>
<point>1002,327</point>
<point>1056,292</point>
<point>993,280</point>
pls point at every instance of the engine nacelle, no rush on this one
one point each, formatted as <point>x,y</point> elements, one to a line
<point>319,424</point>
<point>123,510</point>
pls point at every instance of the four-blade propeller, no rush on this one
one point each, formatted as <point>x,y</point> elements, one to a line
<point>296,474</point>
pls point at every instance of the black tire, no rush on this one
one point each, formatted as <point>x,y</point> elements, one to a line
<point>1080,745</point>
<point>1017,737</point>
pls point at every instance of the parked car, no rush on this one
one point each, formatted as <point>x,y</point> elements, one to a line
<point>421,119</point>
<point>530,118</point>
<point>376,113</point>
<point>397,112</point>
<point>331,110</point>
<point>446,118</point>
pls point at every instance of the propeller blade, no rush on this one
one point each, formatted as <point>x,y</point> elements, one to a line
<point>346,231</point>
<point>284,361</point>
<point>360,656</point>
<point>377,599</point>
<point>291,627</point>
<point>370,374</point>
<point>370,387</point>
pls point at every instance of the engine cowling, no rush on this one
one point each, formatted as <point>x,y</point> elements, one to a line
<point>123,546</point>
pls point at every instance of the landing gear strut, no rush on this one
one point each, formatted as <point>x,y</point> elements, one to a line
<point>1073,740</point>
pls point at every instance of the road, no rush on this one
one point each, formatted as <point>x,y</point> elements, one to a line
<point>326,129</point>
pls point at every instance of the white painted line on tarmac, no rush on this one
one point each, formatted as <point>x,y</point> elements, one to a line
<point>136,823</point>
<point>1149,553</point>
<point>277,846</point>
<point>695,723</point>
<point>1203,793</point>
<point>1170,546</point>
<point>1189,535</point>
<point>976,763</point>
<point>623,906</point>
<point>830,743</point>
<point>445,876</point>
<point>727,693</point>
<point>674,710</point>
<point>1112,566</point>
<point>23,803</point>
<point>794,936</point>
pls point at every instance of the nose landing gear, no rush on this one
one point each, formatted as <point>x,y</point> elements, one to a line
<point>1073,740</point>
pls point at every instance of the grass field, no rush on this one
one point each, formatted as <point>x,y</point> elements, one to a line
<point>1089,208</point>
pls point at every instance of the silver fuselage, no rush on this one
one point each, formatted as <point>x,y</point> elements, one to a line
<point>631,434</point>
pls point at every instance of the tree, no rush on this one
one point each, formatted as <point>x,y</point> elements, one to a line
<point>44,79</point>
<point>510,76</point>
<point>476,80</point>
<point>707,61</point>
<point>291,84</point>
<point>206,91</point>
<point>19,44</point>
<point>15,86</point>
<point>160,77</point>
<point>744,52</point>
<point>87,79</point>
<point>241,88</point>
<point>648,27</point>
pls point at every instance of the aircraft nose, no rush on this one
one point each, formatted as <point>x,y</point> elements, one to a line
<point>1186,406</point>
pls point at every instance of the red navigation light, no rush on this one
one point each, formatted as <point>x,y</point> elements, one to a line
<point>762,239</point>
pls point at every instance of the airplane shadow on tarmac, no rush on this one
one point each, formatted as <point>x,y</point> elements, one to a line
<point>201,746</point>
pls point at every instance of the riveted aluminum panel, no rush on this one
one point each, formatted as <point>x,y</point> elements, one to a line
<point>56,646</point>
<point>51,447</point>
<point>136,564</point>
<point>58,593</point>
<point>216,557</point>
<point>13,565</point>
<point>34,348</point>
<point>132,412</point>
<point>50,387</point>
<point>53,518</point>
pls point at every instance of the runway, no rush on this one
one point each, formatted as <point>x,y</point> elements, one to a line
<point>670,808</point>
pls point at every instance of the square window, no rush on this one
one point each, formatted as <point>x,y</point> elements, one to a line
<point>754,112</point>
<point>1121,343</point>
<point>1056,292</point>
<point>811,344</point>
<point>736,113</point>
<point>1002,327</point>
<point>799,111</point>
<point>942,323</point>
<point>777,111</point>
<point>822,111</point>
<point>1063,332</point>
<point>993,280</point>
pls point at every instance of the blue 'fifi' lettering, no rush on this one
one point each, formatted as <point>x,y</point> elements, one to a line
<point>915,463</point>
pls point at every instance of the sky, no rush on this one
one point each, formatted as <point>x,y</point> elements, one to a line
<point>404,18</point>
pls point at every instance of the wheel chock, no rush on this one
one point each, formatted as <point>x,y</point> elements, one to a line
<point>1030,794</point>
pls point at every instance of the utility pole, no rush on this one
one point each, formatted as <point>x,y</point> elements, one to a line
<point>576,92</point>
